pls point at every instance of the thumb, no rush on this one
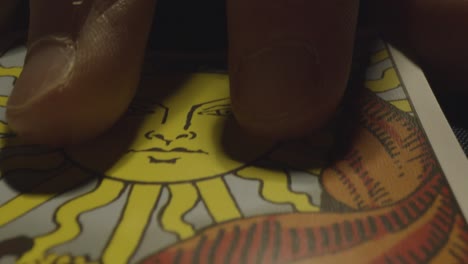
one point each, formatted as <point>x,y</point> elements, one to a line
<point>81,70</point>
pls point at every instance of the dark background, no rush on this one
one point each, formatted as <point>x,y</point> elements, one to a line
<point>193,27</point>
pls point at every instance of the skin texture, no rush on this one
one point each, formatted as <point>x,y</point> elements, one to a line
<point>293,53</point>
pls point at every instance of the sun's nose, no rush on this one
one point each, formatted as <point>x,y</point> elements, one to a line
<point>168,139</point>
<point>188,135</point>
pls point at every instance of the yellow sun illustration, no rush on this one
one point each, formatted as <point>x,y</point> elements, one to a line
<point>178,135</point>
<point>170,153</point>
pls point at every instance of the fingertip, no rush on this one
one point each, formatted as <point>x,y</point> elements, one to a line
<point>289,64</point>
<point>297,122</point>
<point>280,91</point>
<point>62,99</point>
<point>75,86</point>
<point>288,89</point>
<point>68,115</point>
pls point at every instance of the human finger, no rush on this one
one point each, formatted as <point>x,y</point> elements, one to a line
<point>289,62</point>
<point>81,70</point>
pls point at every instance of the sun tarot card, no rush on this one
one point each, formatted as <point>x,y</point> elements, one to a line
<point>176,181</point>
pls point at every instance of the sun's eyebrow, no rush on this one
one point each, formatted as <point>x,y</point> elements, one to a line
<point>214,106</point>
<point>195,107</point>
<point>148,104</point>
<point>166,112</point>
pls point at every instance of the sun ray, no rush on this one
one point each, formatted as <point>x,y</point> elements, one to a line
<point>184,197</point>
<point>66,259</point>
<point>3,100</point>
<point>138,210</point>
<point>67,218</point>
<point>316,171</point>
<point>24,203</point>
<point>34,161</point>
<point>10,71</point>
<point>388,82</point>
<point>379,56</point>
<point>404,105</point>
<point>275,188</point>
<point>4,128</point>
<point>218,199</point>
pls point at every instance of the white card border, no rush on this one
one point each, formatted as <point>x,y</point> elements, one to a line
<point>444,143</point>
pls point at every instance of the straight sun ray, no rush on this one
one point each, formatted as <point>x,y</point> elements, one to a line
<point>26,202</point>
<point>275,188</point>
<point>67,218</point>
<point>218,199</point>
<point>135,218</point>
<point>183,198</point>
<point>404,105</point>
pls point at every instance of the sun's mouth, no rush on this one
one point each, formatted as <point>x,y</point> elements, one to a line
<point>167,161</point>
<point>174,150</point>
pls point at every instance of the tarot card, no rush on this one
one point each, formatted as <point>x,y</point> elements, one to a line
<point>176,181</point>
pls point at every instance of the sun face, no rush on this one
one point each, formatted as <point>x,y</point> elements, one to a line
<point>190,135</point>
<point>173,165</point>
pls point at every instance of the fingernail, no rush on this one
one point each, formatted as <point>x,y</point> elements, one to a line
<point>47,67</point>
<point>275,83</point>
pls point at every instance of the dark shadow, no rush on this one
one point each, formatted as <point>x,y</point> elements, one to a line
<point>349,115</point>
<point>15,247</point>
<point>189,26</point>
<point>454,106</point>
<point>15,29</point>
<point>104,150</point>
<point>348,118</point>
<point>242,146</point>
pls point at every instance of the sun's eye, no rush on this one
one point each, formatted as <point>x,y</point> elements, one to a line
<point>217,110</point>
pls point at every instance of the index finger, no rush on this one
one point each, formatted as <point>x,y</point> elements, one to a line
<point>289,62</point>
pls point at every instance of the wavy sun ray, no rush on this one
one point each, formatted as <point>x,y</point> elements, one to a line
<point>11,71</point>
<point>218,200</point>
<point>3,101</point>
<point>4,128</point>
<point>184,197</point>
<point>24,203</point>
<point>140,205</point>
<point>67,218</point>
<point>388,82</point>
<point>67,259</point>
<point>275,188</point>
<point>379,56</point>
